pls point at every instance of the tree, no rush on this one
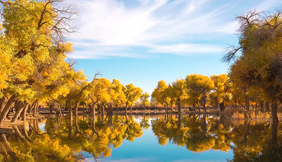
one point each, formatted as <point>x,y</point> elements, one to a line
<point>33,45</point>
<point>161,94</point>
<point>179,91</point>
<point>222,92</point>
<point>198,87</point>
<point>132,94</point>
<point>260,42</point>
<point>144,98</point>
<point>119,96</point>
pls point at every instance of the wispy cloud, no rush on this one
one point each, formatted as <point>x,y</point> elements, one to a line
<point>112,28</point>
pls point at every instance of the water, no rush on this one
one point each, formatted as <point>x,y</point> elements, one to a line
<point>142,138</point>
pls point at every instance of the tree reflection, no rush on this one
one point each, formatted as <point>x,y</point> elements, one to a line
<point>249,141</point>
<point>96,135</point>
<point>18,144</point>
<point>64,140</point>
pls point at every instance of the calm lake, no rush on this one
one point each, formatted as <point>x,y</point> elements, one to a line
<point>196,138</point>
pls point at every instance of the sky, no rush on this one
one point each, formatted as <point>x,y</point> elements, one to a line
<point>144,41</point>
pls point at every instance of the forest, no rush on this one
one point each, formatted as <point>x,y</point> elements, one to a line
<point>39,84</point>
<point>36,73</point>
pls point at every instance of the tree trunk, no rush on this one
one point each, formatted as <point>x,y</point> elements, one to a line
<point>51,109</point>
<point>125,110</point>
<point>262,106</point>
<point>76,108</point>
<point>103,111</point>
<point>23,112</point>
<point>60,111</point>
<point>6,109</point>
<point>247,102</point>
<point>179,107</point>
<point>221,106</point>
<point>93,115</point>
<point>110,110</point>
<point>30,108</point>
<point>19,107</point>
<point>83,109</point>
<point>204,106</point>
<point>35,109</point>
<point>3,102</point>
<point>179,120</point>
<point>274,107</point>
<point>110,121</point>
<point>267,108</point>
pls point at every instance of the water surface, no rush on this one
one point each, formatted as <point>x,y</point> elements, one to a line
<point>170,138</point>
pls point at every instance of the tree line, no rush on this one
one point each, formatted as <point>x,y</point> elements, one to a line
<point>255,74</point>
<point>34,68</point>
<point>35,71</point>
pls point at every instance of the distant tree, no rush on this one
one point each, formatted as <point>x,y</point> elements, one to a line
<point>198,87</point>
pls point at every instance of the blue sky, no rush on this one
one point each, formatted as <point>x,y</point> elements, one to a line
<point>144,41</point>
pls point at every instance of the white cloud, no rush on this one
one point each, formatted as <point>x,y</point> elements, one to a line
<point>110,28</point>
<point>187,49</point>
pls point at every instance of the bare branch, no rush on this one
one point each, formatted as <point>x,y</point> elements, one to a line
<point>231,55</point>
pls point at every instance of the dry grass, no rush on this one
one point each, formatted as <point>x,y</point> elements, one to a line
<point>238,115</point>
<point>243,114</point>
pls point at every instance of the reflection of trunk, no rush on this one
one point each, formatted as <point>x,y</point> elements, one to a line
<point>76,124</point>
<point>18,133</point>
<point>274,134</point>
<point>93,115</point>
<point>6,108</point>
<point>25,133</point>
<point>166,109</point>
<point>204,124</point>
<point>3,150</point>
<point>70,118</point>
<point>274,107</point>
<point>76,116</point>
<point>245,137</point>
<point>179,120</point>
<point>247,102</point>
<point>8,148</point>
<point>194,107</point>
<point>93,124</point>
<point>131,110</point>
<point>221,106</point>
